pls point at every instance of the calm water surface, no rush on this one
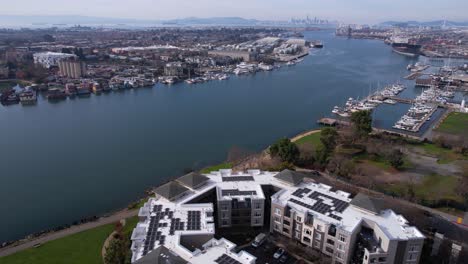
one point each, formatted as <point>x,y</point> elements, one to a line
<point>64,161</point>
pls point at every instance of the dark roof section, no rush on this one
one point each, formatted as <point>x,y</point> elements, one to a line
<point>161,255</point>
<point>170,190</point>
<point>291,177</point>
<point>368,203</point>
<point>193,180</point>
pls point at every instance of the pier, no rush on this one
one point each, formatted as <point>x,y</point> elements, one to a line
<point>402,100</point>
<point>413,75</point>
<point>332,122</point>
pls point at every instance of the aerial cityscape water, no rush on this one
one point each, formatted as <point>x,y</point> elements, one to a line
<point>84,157</point>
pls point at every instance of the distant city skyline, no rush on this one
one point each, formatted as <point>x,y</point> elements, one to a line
<point>355,11</point>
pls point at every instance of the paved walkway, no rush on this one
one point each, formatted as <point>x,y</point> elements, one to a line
<point>296,138</point>
<point>69,231</point>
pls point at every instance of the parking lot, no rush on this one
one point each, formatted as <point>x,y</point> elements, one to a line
<point>264,253</point>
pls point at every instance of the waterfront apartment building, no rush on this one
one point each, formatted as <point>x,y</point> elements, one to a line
<point>181,220</point>
<point>347,230</point>
<point>72,68</point>
<point>239,202</point>
<point>50,59</point>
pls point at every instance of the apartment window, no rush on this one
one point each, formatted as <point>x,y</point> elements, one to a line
<point>277,227</point>
<point>331,242</point>
<point>329,250</point>
<point>318,236</point>
<point>382,259</point>
<point>306,239</point>
<point>413,248</point>
<point>225,215</point>
<point>297,235</point>
<point>224,207</point>
<point>286,222</point>
<point>411,257</point>
<point>339,255</point>
<point>277,211</point>
<point>372,260</point>
<point>342,238</point>
<point>225,222</point>
<point>285,230</point>
<point>319,227</point>
<point>257,206</point>
<point>256,221</point>
<point>308,232</point>
<point>340,247</point>
<point>317,244</point>
<point>298,218</point>
<point>257,213</point>
<point>277,219</point>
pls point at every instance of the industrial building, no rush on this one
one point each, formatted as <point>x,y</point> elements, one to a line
<point>72,68</point>
<point>50,59</point>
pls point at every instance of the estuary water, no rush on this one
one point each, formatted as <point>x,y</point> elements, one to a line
<point>61,162</point>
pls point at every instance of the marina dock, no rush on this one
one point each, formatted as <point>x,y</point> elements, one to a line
<point>413,75</point>
<point>402,100</point>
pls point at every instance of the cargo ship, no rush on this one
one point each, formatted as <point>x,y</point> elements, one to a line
<point>404,47</point>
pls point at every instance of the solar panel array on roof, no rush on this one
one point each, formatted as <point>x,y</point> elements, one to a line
<point>339,205</point>
<point>235,192</point>
<point>238,178</point>
<point>301,192</point>
<point>176,225</point>
<point>225,259</point>
<point>193,220</point>
<point>153,235</point>
<point>318,207</point>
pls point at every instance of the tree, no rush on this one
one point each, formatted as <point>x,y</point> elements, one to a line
<point>285,149</point>
<point>396,158</point>
<point>328,138</point>
<point>116,251</point>
<point>362,121</point>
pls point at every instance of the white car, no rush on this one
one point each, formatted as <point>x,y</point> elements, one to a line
<point>278,253</point>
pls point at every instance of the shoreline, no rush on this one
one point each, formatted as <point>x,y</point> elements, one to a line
<point>305,134</point>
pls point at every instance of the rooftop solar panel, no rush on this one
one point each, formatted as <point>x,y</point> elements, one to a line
<point>238,178</point>
<point>235,192</point>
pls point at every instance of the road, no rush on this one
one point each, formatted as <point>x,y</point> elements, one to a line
<point>69,231</point>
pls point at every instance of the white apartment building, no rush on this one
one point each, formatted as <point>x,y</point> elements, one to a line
<point>348,230</point>
<point>49,59</point>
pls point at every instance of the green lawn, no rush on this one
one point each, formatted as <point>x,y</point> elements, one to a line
<point>130,224</point>
<point>226,165</point>
<point>443,155</point>
<point>455,123</point>
<point>313,139</point>
<point>84,247</point>
<point>436,186</point>
<point>432,188</point>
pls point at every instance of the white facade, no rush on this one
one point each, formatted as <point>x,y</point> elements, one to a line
<point>50,59</point>
<point>309,213</point>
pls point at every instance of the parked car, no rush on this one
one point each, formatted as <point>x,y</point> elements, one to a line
<point>279,252</point>
<point>259,240</point>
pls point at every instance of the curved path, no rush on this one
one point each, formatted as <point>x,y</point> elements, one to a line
<point>68,231</point>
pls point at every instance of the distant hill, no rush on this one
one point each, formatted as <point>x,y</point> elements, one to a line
<point>15,20</point>
<point>213,21</point>
<point>69,20</point>
<point>426,23</point>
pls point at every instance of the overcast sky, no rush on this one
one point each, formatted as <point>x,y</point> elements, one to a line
<point>362,11</point>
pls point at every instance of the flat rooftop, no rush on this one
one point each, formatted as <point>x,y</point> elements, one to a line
<point>166,221</point>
